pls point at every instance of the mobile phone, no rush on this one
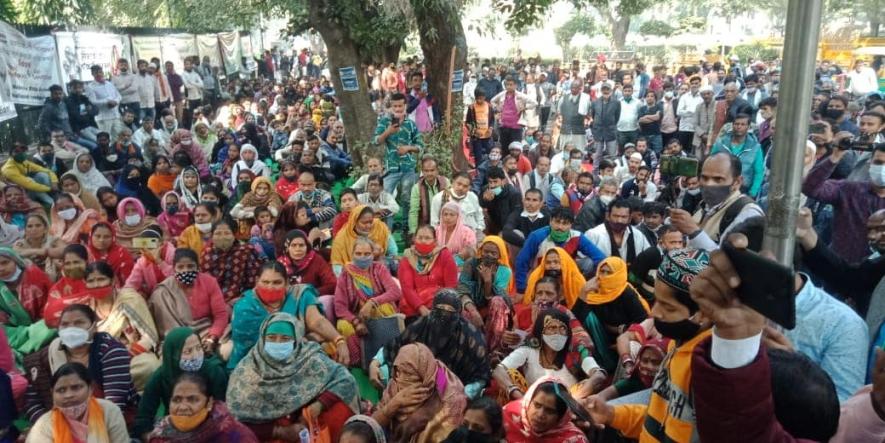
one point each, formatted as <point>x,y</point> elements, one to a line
<point>145,243</point>
<point>679,166</point>
<point>394,121</point>
<point>766,285</point>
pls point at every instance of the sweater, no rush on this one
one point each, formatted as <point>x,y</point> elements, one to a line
<point>519,226</point>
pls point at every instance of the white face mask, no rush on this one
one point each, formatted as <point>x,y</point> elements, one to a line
<point>606,199</point>
<point>555,341</point>
<point>133,220</point>
<point>877,175</point>
<point>15,275</point>
<point>73,337</point>
<point>204,227</point>
<point>112,157</point>
<point>186,142</point>
<point>694,191</point>
<point>68,214</point>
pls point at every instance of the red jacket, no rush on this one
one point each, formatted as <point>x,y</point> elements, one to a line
<point>418,290</point>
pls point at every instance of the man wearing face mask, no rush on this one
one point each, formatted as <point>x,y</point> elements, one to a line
<point>836,109</point>
<point>872,125</point>
<point>522,222</point>
<point>676,316</point>
<point>499,199</point>
<point>593,211</point>
<point>616,236</point>
<point>578,194</point>
<point>495,159</point>
<point>723,206</point>
<point>853,201</point>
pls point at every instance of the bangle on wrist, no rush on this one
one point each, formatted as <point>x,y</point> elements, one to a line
<point>339,340</point>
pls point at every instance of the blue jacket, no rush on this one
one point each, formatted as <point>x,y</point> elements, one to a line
<point>529,251</point>
<point>752,159</point>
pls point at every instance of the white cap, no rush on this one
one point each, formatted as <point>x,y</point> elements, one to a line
<point>515,145</point>
<point>706,88</point>
<point>636,156</point>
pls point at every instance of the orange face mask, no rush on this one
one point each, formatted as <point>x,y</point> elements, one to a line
<point>187,423</point>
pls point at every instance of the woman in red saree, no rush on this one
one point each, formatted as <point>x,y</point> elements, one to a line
<point>103,246</point>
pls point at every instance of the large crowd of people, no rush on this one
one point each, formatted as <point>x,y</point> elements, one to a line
<point>186,257</point>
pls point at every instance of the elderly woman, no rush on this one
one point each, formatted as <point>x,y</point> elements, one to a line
<point>234,265</point>
<point>78,341</point>
<point>89,176</point>
<point>272,294</point>
<point>71,221</point>
<point>485,285</point>
<point>205,138</point>
<point>361,224</point>
<point>424,269</point>
<point>132,221</point>
<point>176,216</point>
<point>454,234</point>
<point>304,265</point>
<point>261,195</point>
<point>249,161</point>
<point>103,246</point>
<point>70,183</point>
<point>15,206</point>
<point>544,415</point>
<point>365,291</point>
<point>284,378</point>
<point>38,246</point>
<point>608,305</point>
<point>197,416</point>
<point>182,353</point>
<point>77,415</point>
<point>452,339</point>
<point>24,289</point>
<point>191,299</point>
<point>557,263</point>
<point>424,401</point>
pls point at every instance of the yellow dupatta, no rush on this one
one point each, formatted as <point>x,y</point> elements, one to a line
<point>342,245</point>
<point>613,285</point>
<point>503,258</point>
<point>570,283</point>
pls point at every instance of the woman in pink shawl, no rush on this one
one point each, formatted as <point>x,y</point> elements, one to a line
<point>454,234</point>
<point>526,422</point>
<point>183,140</point>
<point>71,221</point>
<point>176,215</point>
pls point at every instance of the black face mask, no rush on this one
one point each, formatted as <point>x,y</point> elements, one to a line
<point>835,114</point>
<point>555,273</point>
<point>465,435</point>
<point>681,330</point>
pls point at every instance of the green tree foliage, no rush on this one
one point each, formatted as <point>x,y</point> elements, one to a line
<point>657,28</point>
<point>580,23</point>
<point>55,12</point>
<point>7,11</point>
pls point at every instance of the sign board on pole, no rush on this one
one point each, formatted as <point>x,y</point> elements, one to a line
<point>458,80</point>
<point>349,82</point>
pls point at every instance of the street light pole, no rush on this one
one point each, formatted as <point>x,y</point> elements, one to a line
<point>793,111</point>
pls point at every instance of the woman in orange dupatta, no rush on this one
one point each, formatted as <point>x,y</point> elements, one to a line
<point>558,264</point>
<point>490,312</point>
<point>608,305</point>
<point>71,221</point>
<point>77,416</point>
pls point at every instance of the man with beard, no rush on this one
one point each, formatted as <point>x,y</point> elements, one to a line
<point>593,211</point>
<point>578,194</point>
<point>723,206</point>
<point>616,236</point>
<point>430,184</point>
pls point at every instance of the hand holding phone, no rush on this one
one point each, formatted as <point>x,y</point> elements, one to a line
<point>766,286</point>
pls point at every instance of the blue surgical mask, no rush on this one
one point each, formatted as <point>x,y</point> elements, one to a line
<point>497,190</point>
<point>363,262</point>
<point>279,351</point>
<point>877,175</point>
<point>192,364</point>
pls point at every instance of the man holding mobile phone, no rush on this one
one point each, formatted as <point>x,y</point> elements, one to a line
<point>403,144</point>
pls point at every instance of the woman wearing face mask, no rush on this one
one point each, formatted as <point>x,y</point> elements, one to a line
<point>187,185</point>
<point>641,375</point>
<point>190,298</point>
<point>124,315</point>
<point>365,290</point>
<point>452,339</point>
<point>108,199</point>
<point>79,342</point>
<point>607,306</point>
<point>71,221</point>
<point>70,287</point>
<point>182,353</point>
<point>261,194</point>
<point>284,381</point>
<point>103,246</point>
<point>272,294</point>
<point>304,265</point>
<point>76,414</point>
<point>287,182</point>
<point>226,166</point>
<point>38,246</point>
<point>183,141</point>
<point>557,263</point>
<point>424,401</point>
<point>153,266</point>
<point>242,184</point>
<point>361,224</point>
<point>249,161</point>
<point>133,184</point>
<point>163,178</point>
<point>483,423</point>
<point>234,265</point>
<point>89,176</point>
<point>198,234</point>
<point>176,216</point>
<point>544,354</point>
<point>544,415</point>
<point>484,286</point>
<point>132,220</point>
<point>15,206</point>
<point>459,239</point>
<point>71,184</point>
<point>24,289</point>
<point>424,269</point>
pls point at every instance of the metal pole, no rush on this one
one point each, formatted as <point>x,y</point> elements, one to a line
<point>794,108</point>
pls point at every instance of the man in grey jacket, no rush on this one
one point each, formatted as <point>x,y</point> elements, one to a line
<point>605,112</point>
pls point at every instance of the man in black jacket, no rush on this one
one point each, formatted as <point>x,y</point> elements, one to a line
<point>499,199</point>
<point>524,221</point>
<point>81,113</point>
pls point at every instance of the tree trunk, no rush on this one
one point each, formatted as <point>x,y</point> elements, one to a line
<point>619,32</point>
<point>355,106</point>
<point>440,30</point>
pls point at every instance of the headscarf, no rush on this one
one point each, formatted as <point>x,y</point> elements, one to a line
<point>294,268</point>
<point>9,233</point>
<point>377,430</point>
<point>516,417</point>
<point>452,339</point>
<point>219,426</point>
<point>251,199</point>
<point>117,256</point>
<point>658,345</point>
<point>286,187</point>
<point>238,191</point>
<point>189,198</point>
<point>163,379</point>
<point>342,245</point>
<point>89,200</point>
<point>415,366</point>
<point>25,205</point>
<point>503,259</point>
<point>613,285</point>
<point>174,224</point>
<point>262,389</point>
<point>125,231</point>
<point>255,167</point>
<point>570,282</point>
<point>72,234</point>
<point>194,151</point>
<point>95,429</point>
<point>461,235</point>
<point>90,180</point>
